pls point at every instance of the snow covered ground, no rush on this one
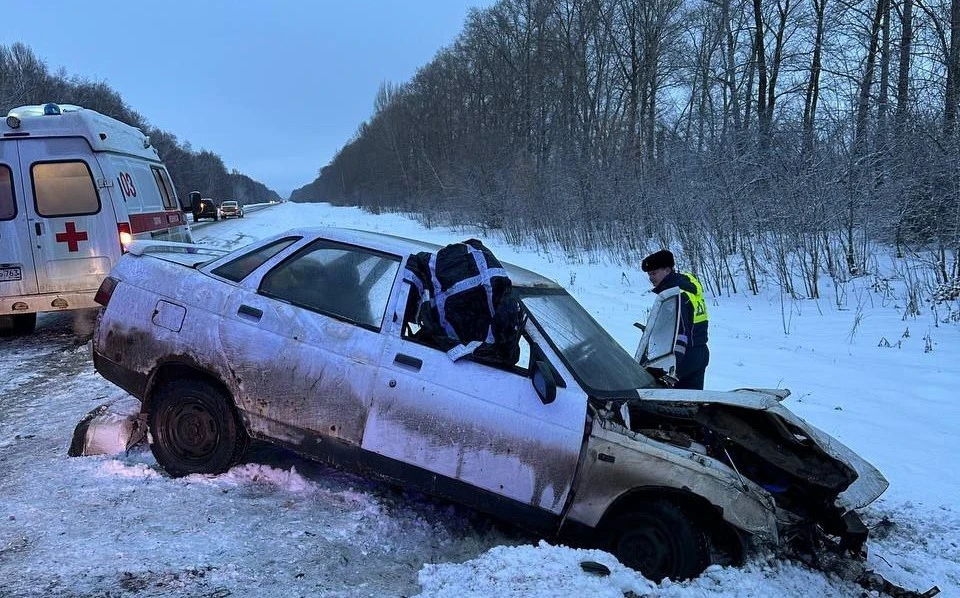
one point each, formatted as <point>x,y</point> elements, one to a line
<point>283,526</point>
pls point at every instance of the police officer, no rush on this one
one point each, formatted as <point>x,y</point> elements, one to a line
<point>691,348</point>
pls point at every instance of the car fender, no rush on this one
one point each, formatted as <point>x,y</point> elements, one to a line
<point>154,332</point>
<point>618,462</point>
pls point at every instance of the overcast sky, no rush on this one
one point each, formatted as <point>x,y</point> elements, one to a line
<point>275,88</point>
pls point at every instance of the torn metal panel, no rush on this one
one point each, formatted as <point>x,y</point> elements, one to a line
<point>108,430</point>
<point>869,483</point>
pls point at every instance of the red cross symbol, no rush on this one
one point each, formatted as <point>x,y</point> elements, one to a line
<point>71,237</point>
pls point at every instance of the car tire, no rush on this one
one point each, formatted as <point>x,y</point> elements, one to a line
<point>194,428</point>
<point>18,324</point>
<point>658,539</point>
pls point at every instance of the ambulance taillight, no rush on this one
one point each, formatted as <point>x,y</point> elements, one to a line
<point>126,236</point>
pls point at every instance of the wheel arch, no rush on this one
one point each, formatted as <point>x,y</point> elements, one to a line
<point>176,369</point>
<point>723,537</point>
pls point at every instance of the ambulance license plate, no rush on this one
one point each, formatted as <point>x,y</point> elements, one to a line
<point>10,274</point>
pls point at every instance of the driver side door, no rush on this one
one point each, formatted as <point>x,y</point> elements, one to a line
<point>474,423</point>
<point>656,348</point>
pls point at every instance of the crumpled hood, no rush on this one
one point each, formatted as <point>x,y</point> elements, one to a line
<point>867,487</point>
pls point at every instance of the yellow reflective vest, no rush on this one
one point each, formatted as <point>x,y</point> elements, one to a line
<point>697,300</point>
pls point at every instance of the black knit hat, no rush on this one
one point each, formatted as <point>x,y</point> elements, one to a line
<point>660,259</point>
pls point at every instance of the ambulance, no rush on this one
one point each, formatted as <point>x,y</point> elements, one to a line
<point>76,187</point>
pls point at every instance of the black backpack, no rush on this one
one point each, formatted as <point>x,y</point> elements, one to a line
<point>467,305</point>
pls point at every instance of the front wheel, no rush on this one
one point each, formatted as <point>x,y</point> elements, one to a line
<point>658,539</point>
<point>194,428</point>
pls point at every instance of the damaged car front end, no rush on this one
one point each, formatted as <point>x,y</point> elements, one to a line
<point>721,467</point>
<point>761,468</point>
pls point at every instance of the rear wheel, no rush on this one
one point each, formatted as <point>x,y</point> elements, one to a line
<point>18,324</point>
<point>194,428</point>
<point>658,539</point>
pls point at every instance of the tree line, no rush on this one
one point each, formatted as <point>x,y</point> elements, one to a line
<point>759,138</point>
<point>25,79</point>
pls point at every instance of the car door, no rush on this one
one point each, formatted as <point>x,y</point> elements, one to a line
<point>656,347</point>
<point>303,340</point>
<point>72,227</point>
<point>475,423</point>
<point>17,271</point>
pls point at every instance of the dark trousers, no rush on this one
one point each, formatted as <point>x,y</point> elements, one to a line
<point>693,367</point>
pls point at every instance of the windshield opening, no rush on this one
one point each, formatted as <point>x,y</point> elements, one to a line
<point>596,360</point>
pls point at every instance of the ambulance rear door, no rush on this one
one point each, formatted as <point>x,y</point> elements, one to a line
<point>17,271</point>
<point>71,219</point>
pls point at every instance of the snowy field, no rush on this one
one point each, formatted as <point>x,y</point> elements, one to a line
<point>282,526</point>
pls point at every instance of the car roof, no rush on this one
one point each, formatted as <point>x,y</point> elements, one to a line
<point>388,243</point>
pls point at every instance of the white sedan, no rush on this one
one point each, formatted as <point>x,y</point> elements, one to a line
<point>308,340</point>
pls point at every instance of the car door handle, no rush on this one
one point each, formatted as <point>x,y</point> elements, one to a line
<point>250,312</point>
<point>408,361</point>
<point>38,228</point>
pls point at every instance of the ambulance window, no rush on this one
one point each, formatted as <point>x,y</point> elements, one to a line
<point>8,209</point>
<point>165,191</point>
<point>64,189</point>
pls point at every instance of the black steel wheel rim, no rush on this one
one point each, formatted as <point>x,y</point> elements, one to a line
<point>192,430</point>
<point>650,549</point>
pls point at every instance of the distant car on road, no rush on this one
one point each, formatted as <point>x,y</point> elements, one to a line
<point>205,208</point>
<point>231,209</point>
<point>309,340</point>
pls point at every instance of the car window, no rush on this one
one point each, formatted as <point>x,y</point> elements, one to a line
<point>64,189</point>
<point>8,209</point>
<point>345,282</point>
<point>239,268</point>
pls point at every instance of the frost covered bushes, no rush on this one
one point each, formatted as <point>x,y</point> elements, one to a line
<point>947,291</point>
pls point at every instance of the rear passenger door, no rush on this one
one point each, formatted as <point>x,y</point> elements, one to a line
<point>304,339</point>
<point>17,271</point>
<point>73,231</point>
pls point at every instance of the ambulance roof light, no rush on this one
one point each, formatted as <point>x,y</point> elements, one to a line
<point>51,110</point>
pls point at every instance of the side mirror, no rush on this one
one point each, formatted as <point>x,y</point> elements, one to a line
<point>544,382</point>
<point>194,201</point>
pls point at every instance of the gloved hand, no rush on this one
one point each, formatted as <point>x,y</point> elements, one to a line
<point>668,380</point>
<point>657,372</point>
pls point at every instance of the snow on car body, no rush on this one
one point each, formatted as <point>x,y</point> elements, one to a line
<point>306,340</point>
